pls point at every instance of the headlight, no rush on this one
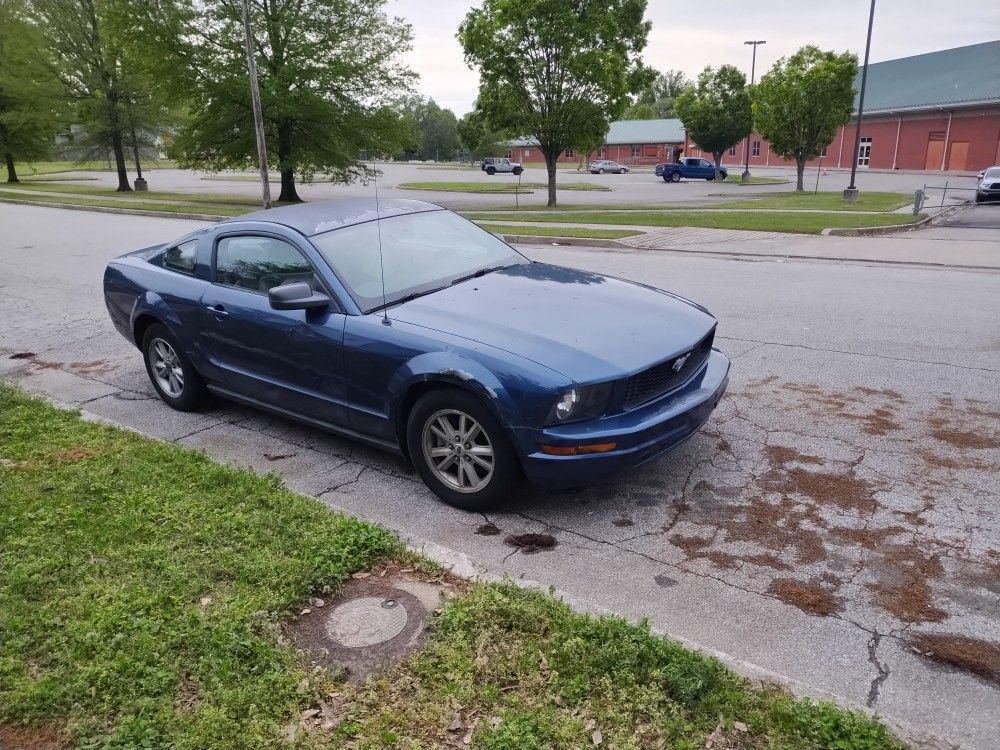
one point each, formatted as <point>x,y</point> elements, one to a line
<point>587,402</point>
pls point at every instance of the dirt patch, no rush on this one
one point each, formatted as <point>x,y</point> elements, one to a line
<point>809,597</point>
<point>779,455</point>
<point>943,462</point>
<point>846,491</point>
<point>691,545</point>
<point>908,597</point>
<point>880,422</point>
<point>488,529</point>
<point>965,439</point>
<point>885,392</point>
<point>730,561</point>
<point>22,355</point>
<point>531,543</point>
<point>868,538</point>
<point>70,455</point>
<point>96,367</point>
<point>32,738</point>
<point>623,522</point>
<point>972,655</point>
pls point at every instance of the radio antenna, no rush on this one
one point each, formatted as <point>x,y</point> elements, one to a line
<point>381,263</point>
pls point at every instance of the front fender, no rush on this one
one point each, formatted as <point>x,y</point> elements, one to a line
<point>448,367</point>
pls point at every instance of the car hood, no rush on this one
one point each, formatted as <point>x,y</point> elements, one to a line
<point>587,326</point>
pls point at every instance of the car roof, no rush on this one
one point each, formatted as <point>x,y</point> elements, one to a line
<point>323,216</point>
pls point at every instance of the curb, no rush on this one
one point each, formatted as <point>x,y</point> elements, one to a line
<point>532,239</point>
<point>115,210</point>
<point>892,228</point>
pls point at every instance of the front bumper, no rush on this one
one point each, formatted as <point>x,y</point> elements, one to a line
<point>641,434</point>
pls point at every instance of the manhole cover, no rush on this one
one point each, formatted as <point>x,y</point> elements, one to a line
<point>366,621</point>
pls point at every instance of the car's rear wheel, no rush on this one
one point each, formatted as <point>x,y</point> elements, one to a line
<point>600,171</point>
<point>170,371</point>
<point>675,177</point>
<point>517,170</point>
<point>461,450</point>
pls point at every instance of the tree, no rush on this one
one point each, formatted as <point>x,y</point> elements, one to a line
<point>328,71</point>
<point>802,101</point>
<point>477,138</point>
<point>438,129</point>
<point>640,112</point>
<point>29,92</point>
<point>556,70</point>
<point>87,43</point>
<point>716,110</point>
<point>657,100</point>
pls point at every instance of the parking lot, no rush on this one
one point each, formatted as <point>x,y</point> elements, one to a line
<point>834,527</point>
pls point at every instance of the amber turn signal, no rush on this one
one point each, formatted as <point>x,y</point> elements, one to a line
<point>576,450</point>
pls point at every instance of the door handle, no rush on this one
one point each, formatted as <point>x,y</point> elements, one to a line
<point>218,311</point>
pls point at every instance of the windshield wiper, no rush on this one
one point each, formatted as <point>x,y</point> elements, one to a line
<point>477,274</point>
<point>405,298</point>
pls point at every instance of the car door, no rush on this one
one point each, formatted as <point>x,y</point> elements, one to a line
<point>292,360</point>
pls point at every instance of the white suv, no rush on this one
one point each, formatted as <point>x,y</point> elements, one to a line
<point>494,164</point>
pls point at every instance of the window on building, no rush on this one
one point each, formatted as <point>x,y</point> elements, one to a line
<point>570,153</point>
<point>822,153</point>
<point>865,151</point>
<point>636,152</point>
<point>755,149</point>
<point>602,153</point>
<point>732,150</point>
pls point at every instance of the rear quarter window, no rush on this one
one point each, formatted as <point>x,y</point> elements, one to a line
<point>182,258</point>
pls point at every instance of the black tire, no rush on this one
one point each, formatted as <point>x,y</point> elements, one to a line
<point>675,176</point>
<point>666,178</point>
<point>710,178</point>
<point>491,170</point>
<point>517,171</point>
<point>600,171</point>
<point>723,175</point>
<point>623,171</point>
<point>192,388</point>
<point>980,199</point>
<point>506,474</point>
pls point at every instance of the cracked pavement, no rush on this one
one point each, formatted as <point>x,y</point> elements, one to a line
<point>841,502</point>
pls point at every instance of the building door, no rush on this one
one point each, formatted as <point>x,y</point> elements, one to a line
<point>935,150</point>
<point>958,155</point>
<point>865,152</point>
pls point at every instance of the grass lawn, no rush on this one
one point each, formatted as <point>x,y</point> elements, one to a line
<point>49,167</point>
<point>509,186</point>
<point>827,201</point>
<point>774,221</point>
<point>584,232</point>
<point>136,201</point>
<point>143,587</point>
<point>103,191</point>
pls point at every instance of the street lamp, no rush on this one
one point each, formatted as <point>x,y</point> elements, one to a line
<point>753,71</point>
<point>258,117</point>
<point>851,193</point>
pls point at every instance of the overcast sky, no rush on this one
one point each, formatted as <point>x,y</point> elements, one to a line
<point>690,35</point>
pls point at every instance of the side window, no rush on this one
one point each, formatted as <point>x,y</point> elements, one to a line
<point>260,263</point>
<point>182,257</point>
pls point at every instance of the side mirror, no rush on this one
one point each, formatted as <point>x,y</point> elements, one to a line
<point>297,296</point>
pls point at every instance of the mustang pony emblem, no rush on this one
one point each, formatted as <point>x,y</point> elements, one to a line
<point>679,362</point>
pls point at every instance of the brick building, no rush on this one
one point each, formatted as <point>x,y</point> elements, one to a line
<point>936,111</point>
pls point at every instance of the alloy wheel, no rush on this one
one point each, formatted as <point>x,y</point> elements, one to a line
<point>166,368</point>
<point>458,450</point>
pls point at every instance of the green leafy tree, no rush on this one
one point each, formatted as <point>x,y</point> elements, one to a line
<point>641,112</point>
<point>556,70</point>
<point>438,130</point>
<point>802,101</point>
<point>29,93</point>
<point>88,46</point>
<point>329,71</point>
<point>477,138</point>
<point>716,110</point>
<point>658,100</point>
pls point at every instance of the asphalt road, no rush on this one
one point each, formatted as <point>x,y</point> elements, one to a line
<point>837,514</point>
<point>641,187</point>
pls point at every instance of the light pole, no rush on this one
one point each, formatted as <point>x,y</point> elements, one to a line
<point>753,72</point>
<point>851,193</point>
<point>258,117</point>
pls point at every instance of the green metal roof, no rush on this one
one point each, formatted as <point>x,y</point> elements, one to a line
<point>959,77</point>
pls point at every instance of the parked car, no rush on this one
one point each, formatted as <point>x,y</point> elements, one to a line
<point>406,326</point>
<point>691,168</point>
<point>988,188</point>
<point>606,165</point>
<point>493,164</point>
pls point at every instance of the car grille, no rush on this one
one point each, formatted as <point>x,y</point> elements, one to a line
<point>663,378</point>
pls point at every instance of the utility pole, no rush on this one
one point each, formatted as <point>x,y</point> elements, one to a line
<point>753,72</point>
<point>851,193</point>
<point>258,117</point>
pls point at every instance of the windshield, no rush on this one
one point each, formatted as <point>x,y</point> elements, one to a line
<point>992,174</point>
<point>420,253</point>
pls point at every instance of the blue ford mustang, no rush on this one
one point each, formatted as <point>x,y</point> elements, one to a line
<point>408,327</point>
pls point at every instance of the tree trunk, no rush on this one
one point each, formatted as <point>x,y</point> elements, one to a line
<point>550,167</point>
<point>118,145</point>
<point>288,193</point>
<point>11,172</point>
<point>717,155</point>
<point>800,167</point>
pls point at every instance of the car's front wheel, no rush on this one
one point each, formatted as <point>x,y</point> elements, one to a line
<point>461,450</point>
<point>517,170</point>
<point>600,171</point>
<point>491,170</point>
<point>675,177</point>
<point>170,371</point>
